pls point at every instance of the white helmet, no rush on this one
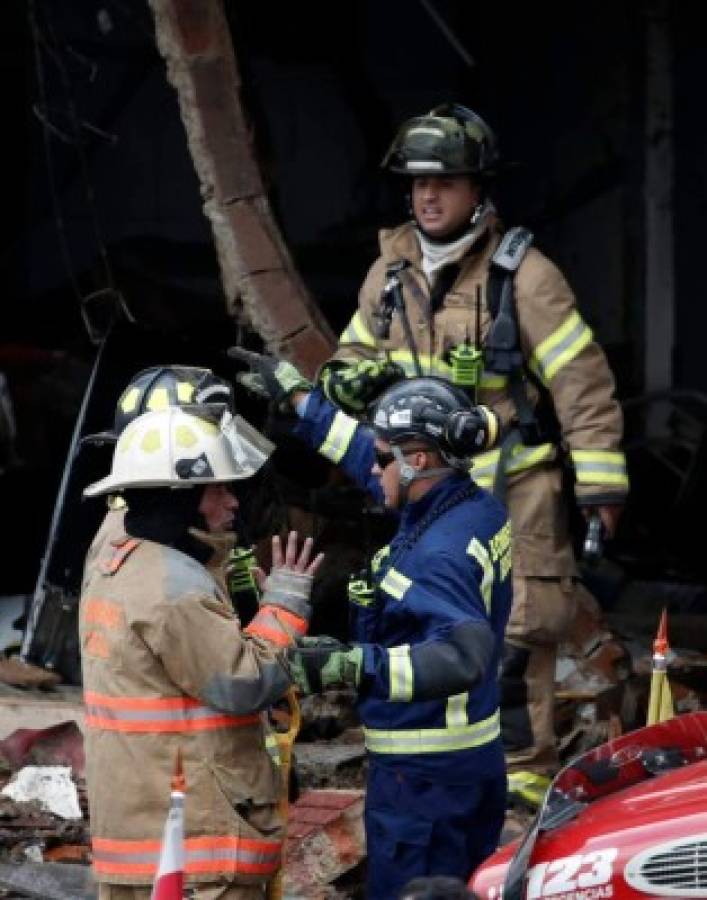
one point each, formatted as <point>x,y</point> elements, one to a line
<point>182,446</point>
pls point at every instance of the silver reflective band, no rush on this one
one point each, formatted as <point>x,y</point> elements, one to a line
<point>401,673</point>
<point>426,129</point>
<point>420,165</point>
<point>600,467</point>
<point>560,347</point>
<point>434,740</point>
<point>395,584</point>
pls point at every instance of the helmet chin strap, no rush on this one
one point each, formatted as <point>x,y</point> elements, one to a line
<point>409,473</point>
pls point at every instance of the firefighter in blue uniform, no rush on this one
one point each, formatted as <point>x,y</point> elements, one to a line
<point>427,635</point>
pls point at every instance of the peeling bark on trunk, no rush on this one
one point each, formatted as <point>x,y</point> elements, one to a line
<point>258,275</point>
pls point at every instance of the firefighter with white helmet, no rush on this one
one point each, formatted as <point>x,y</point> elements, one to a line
<point>157,388</point>
<point>167,667</point>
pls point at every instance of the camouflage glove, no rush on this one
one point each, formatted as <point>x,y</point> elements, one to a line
<point>320,662</point>
<point>353,386</point>
<point>273,379</point>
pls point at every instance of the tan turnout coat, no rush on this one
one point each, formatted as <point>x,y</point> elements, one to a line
<point>166,667</point>
<point>558,347</point>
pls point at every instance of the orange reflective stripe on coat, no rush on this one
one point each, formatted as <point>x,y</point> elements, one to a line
<point>153,714</point>
<point>277,625</point>
<point>122,552</point>
<point>202,855</point>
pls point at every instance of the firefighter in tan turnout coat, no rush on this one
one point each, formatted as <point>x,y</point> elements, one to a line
<point>167,666</point>
<point>446,286</point>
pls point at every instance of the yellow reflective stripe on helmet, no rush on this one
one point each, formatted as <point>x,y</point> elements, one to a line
<point>600,467</point>
<point>185,391</point>
<point>434,740</point>
<point>456,710</point>
<point>481,555</point>
<point>401,673</point>
<point>129,401</point>
<point>158,399</point>
<point>560,347</point>
<point>395,584</point>
<point>339,437</point>
<point>492,423</point>
<point>357,333</point>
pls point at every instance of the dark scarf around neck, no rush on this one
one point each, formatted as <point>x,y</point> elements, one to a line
<point>169,516</point>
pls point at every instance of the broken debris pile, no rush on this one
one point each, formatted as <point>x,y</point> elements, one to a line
<point>43,808</point>
<point>603,678</point>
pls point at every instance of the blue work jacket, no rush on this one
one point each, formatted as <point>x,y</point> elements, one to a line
<point>432,631</point>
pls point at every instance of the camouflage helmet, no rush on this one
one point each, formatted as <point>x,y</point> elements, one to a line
<point>449,140</point>
<point>160,387</point>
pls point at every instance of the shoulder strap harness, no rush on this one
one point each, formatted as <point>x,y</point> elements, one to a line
<point>502,351</point>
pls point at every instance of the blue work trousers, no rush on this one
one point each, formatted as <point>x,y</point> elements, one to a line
<point>417,826</point>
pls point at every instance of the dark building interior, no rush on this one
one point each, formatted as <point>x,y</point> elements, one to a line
<point>598,110</point>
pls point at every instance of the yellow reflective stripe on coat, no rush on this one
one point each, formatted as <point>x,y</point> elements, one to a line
<point>456,710</point>
<point>378,557</point>
<point>560,347</point>
<point>395,584</point>
<point>521,457</point>
<point>434,740</point>
<point>357,333</point>
<point>401,673</point>
<point>481,555</point>
<point>338,438</point>
<point>433,365</point>
<point>600,467</point>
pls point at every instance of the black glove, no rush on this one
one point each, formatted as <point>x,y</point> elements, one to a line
<point>271,378</point>
<point>353,386</point>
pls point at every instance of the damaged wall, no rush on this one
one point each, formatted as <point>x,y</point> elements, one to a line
<point>324,89</point>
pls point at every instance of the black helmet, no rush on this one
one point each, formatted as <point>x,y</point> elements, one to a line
<point>438,413</point>
<point>449,140</point>
<point>160,387</point>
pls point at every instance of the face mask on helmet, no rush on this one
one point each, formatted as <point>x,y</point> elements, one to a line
<point>180,447</point>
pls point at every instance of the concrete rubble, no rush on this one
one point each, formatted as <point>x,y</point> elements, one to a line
<point>325,840</point>
<point>51,786</point>
<point>603,678</point>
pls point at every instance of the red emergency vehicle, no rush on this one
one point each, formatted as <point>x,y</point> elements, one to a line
<point>625,820</point>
